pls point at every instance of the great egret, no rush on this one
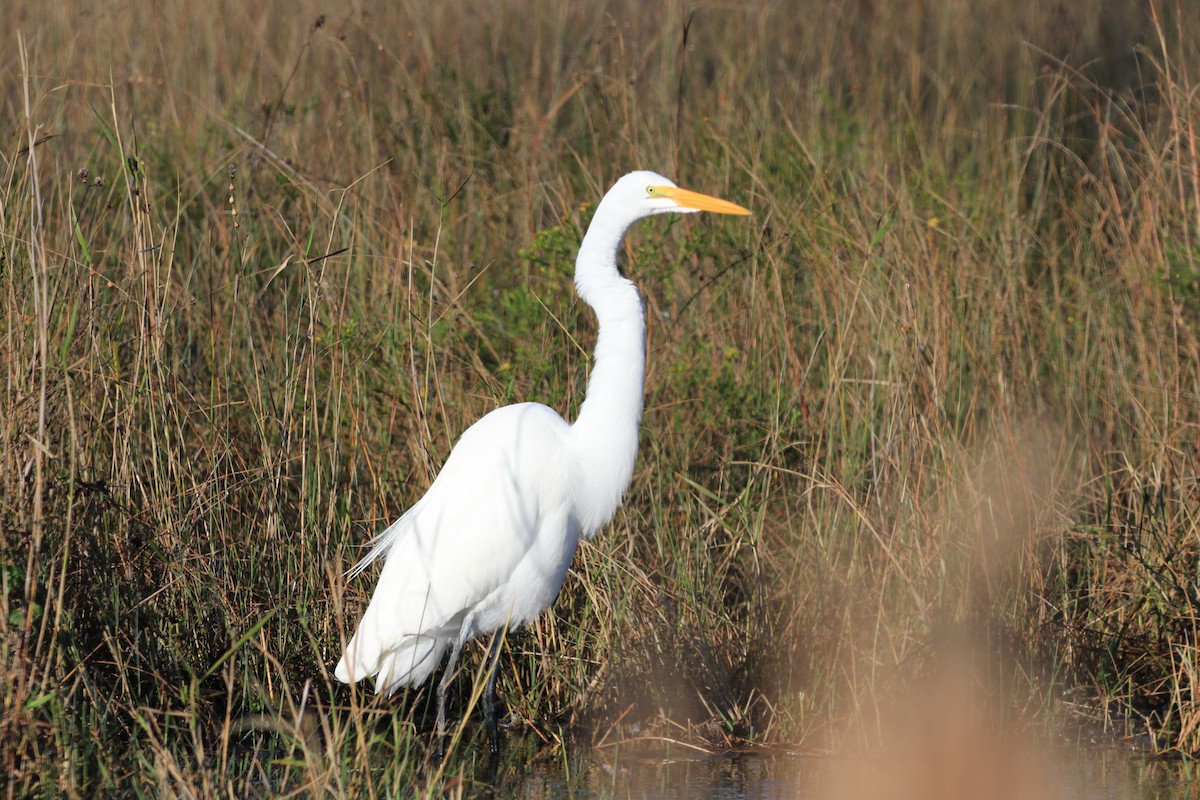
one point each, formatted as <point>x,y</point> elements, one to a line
<point>489,544</point>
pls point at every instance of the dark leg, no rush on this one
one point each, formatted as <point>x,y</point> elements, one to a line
<point>443,685</point>
<point>489,691</point>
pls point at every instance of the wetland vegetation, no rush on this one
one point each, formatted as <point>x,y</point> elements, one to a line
<point>920,439</point>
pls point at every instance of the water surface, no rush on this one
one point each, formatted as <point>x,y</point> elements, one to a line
<point>1059,772</point>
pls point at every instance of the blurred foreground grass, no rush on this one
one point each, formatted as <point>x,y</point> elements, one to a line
<point>259,267</point>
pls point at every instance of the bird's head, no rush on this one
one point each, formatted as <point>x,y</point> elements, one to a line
<point>633,197</point>
<point>643,193</point>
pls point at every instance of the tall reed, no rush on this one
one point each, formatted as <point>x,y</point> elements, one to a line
<point>260,267</point>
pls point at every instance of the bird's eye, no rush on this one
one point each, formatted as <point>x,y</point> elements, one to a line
<point>651,191</point>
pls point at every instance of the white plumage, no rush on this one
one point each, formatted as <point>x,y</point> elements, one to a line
<point>490,542</point>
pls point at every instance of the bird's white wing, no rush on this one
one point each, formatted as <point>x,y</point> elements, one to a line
<point>498,509</point>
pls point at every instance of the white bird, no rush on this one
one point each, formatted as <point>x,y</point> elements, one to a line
<point>488,545</point>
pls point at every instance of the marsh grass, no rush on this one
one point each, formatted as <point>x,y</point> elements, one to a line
<point>260,269</point>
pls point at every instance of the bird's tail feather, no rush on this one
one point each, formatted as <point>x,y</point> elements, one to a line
<point>408,664</point>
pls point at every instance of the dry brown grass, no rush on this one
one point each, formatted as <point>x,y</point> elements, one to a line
<point>946,382</point>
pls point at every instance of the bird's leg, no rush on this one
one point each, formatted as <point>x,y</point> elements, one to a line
<point>443,685</point>
<point>489,691</point>
<point>447,677</point>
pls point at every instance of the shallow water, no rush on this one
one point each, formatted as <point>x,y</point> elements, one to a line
<point>1062,773</point>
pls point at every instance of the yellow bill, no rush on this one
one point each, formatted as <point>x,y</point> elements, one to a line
<point>701,202</point>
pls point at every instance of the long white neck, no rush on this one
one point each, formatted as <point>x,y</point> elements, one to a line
<point>605,434</point>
